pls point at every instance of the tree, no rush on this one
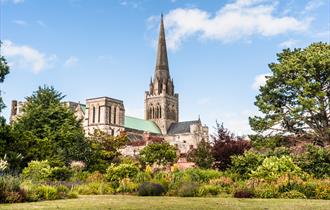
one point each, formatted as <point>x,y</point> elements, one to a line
<point>159,153</point>
<point>105,148</point>
<point>225,145</point>
<point>49,130</point>
<point>202,155</point>
<point>296,97</point>
<point>4,70</point>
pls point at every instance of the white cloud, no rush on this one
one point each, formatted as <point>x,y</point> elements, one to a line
<point>259,80</point>
<point>20,22</point>
<point>289,43</point>
<point>234,21</point>
<point>313,4</point>
<point>23,56</point>
<point>71,62</point>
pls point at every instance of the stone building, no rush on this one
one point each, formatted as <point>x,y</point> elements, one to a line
<point>161,113</point>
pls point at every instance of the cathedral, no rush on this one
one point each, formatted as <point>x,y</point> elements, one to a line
<point>161,113</point>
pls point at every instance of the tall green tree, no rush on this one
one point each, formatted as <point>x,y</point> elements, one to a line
<point>4,70</point>
<point>159,153</point>
<point>49,130</point>
<point>105,149</point>
<point>202,155</point>
<point>296,96</point>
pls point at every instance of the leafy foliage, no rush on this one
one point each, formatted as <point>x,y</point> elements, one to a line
<point>49,130</point>
<point>37,171</point>
<point>115,173</point>
<point>316,161</point>
<point>202,155</point>
<point>105,148</point>
<point>246,163</point>
<point>159,153</point>
<point>226,145</point>
<point>296,97</point>
<point>274,167</point>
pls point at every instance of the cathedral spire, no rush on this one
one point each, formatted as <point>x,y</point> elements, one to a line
<point>162,71</point>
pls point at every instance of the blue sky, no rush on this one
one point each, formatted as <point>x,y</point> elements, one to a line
<point>218,50</point>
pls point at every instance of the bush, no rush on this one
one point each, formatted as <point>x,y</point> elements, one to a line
<point>244,193</point>
<point>316,161</point>
<point>293,194</point>
<point>266,191</point>
<point>224,183</point>
<point>37,171</point>
<point>127,186</point>
<point>245,164</point>
<point>95,188</point>
<point>189,189</point>
<point>151,189</point>
<point>116,173</point>
<point>274,167</point>
<point>60,174</point>
<point>96,176</point>
<point>10,191</point>
<point>45,192</point>
<point>208,189</point>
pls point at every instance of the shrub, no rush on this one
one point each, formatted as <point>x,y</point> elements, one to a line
<point>45,192</point>
<point>316,161</point>
<point>202,175</point>
<point>159,153</point>
<point>208,189</point>
<point>62,191</point>
<point>116,173</point>
<point>126,185</point>
<point>151,189</point>
<point>163,178</point>
<point>323,190</point>
<point>72,194</point>
<point>37,170</point>
<point>60,174</point>
<point>10,191</point>
<point>142,177</point>
<point>244,193</point>
<point>266,191</point>
<point>225,145</point>
<point>96,176</point>
<point>293,194</point>
<point>224,183</point>
<point>189,189</point>
<point>246,163</point>
<point>94,188</point>
<point>274,167</point>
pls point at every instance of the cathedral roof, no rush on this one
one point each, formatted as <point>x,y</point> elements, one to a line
<point>141,125</point>
<point>181,127</point>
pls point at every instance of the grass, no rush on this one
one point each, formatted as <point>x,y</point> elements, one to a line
<point>101,202</point>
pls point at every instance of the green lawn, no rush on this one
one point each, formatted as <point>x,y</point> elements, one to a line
<point>100,202</point>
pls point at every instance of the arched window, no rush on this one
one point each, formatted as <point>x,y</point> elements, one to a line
<point>114,115</point>
<point>99,114</point>
<point>93,115</point>
<point>150,113</point>
<point>157,112</point>
<point>109,114</point>
<point>160,112</point>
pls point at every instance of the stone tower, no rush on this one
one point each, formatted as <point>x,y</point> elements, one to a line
<point>161,105</point>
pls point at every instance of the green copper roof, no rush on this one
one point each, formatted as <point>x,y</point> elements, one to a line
<point>142,125</point>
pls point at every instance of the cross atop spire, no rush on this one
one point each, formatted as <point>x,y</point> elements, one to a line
<point>162,70</point>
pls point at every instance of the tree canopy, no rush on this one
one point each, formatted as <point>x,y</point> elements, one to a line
<point>4,70</point>
<point>296,96</point>
<point>159,153</point>
<point>49,129</point>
